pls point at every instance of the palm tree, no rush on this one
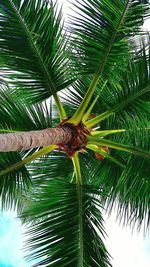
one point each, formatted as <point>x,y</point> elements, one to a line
<point>66,157</point>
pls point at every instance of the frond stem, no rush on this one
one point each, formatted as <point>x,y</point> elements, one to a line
<point>116,108</point>
<point>76,118</point>
<point>34,156</point>
<point>76,164</point>
<point>107,132</point>
<point>96,149</point>
<point>99,118</point>
<point>88,112</point>
<point>8,131</point>
<point>60,108</point>
<point>118,146</point>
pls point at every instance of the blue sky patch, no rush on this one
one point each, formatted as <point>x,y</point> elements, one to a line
<point>11,241</point>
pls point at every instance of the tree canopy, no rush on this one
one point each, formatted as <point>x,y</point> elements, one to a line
<point>91,74</point>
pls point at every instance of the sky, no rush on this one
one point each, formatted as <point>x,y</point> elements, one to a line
<point>126,248</point>
<point>11,241</point>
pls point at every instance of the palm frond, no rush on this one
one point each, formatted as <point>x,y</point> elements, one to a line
<point>118,146</point>
<point>16,116</point>
<point>130,95</point>
<point>127,96</point>
<point>133,192</point>
<point>74,95</point>
<point>125,189</point>
<point>22,171</point>
<point>55,227</point>
<point>101,41</point>
<point>101,30</point>
<point>51,166</point>
<point>33,49</point>
<point>128,188</point>
<point>135,82</point>
<point>13,185</point>
<point>43,151</point>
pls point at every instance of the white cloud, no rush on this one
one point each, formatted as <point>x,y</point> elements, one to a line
<point>127,249</point>
<point>147,25</point>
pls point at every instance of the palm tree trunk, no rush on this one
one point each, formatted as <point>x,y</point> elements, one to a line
<point>26,140</point>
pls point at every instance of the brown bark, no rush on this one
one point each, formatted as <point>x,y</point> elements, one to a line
<point>26,140</point>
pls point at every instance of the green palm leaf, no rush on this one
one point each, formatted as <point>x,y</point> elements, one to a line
<point>101,29</point>
<point>130,95</point>
<point>55,227</point>
<point>101,40</point>
<point>61,167</point>
<point>33,48</point>
<point>133,186</point>
<point>133,192</point>
<point>13,185</point>
<point>128,188</point>
<point>16,116</point>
